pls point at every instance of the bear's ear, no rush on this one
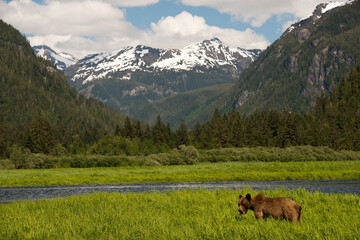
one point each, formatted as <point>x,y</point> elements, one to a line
<point>248,197</point>
<point>240,196</point>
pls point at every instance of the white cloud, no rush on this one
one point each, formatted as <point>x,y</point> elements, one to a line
<point>258,12</point>
<point>78,27</point>
<point>62,17</point>
<point>82,27</point>
<point>118,3</point>
<point>186,28</point>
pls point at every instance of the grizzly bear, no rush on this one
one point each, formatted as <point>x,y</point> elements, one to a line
<point>263,207</point>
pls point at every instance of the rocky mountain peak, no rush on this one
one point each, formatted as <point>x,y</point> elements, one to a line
<point>61,60</point>
<point>318,12</point>
<point>208,54</point>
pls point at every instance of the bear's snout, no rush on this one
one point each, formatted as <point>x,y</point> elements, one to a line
<point>241,212</point>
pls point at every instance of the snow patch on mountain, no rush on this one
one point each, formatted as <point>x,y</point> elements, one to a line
<point>320,10</point>
<point>61,60</point>
<point>206,54</point>
<point>331,5</point>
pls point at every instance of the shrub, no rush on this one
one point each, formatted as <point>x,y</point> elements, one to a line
<point>20,157</point>
<point>42,161</point>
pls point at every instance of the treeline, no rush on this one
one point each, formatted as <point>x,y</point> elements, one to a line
<point>334,122</point>
<point>41,114</point>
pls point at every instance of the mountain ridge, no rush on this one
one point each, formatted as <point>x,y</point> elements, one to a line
<point>31,88</point>
<point>303,63</point>
<point>132,77</point>
<point>61,60</point>
<point>206,54</point>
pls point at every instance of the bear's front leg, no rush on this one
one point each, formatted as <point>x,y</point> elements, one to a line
<point>258,214</point>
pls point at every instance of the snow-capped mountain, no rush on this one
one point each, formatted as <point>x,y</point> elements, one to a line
<point>61,60</point>
<point>208,54</point>
<point>132,77</point>
<point>319,11</point>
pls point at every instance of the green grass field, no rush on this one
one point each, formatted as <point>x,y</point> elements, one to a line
<point>230,171</point>
<point>187,214</point>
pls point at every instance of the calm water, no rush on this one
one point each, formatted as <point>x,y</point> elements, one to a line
<point>10,194</point>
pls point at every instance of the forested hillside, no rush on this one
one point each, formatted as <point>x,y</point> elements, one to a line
<point>310,58</point>
<point>192,106</point>
<point>35,98</point>
<point>333,122</point>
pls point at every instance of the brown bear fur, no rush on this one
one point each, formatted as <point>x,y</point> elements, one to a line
<point>263,207</point>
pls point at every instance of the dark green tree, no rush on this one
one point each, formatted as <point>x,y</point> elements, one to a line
<point>128,128</point>
<point>117,131</point>
<point>138,130</point>
<point>147,132</point>
<point>207,139</point>
<point>40,137</point>
<point>159,131</point>
<point>182,136</point>
<point>2,138</point>
<point>197,131</point>
<point>170,137</point>
<point>219,130</point>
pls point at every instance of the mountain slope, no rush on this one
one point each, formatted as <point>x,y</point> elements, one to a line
<point>31,87</point>
<point>133,77</point>
<point>61,60</point>
<point>311,57</point>
<point>191,106</point>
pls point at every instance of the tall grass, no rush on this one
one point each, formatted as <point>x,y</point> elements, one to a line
<point>187,214</point>
<point>231,171</point>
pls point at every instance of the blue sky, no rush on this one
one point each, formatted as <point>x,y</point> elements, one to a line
<point>81,27</point>
<point>141,17</point>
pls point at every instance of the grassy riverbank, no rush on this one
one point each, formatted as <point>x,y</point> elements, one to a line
<point>188,214</point>
<point>230,171</point>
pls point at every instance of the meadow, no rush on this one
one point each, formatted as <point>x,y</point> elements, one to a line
<point>186,214</point>
<point>226,171</point>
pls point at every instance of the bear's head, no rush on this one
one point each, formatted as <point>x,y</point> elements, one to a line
<point>244,203</point>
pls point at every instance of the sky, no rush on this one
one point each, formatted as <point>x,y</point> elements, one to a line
<point>82,27</point>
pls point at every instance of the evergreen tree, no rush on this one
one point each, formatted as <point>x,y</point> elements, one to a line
<point>207,137</point>
<point>170,137</point>
<point>147,132</point>
<point>219,130</point>
<point>128,128</point>
<point>40,137</point>
<point>182,136</point>
<point>117,131</point>
<point>197,131</point>
<point>138,130</point>
<point>2,138</point>
<point>158,131</point>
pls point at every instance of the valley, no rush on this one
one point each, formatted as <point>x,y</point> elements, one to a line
<point>139,113</point>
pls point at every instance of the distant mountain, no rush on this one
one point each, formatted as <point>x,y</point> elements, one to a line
<point>311,57</point>
<point>61,60</point>
<point>121,64</point>
<point>133,77</point>
<point>31,88</point>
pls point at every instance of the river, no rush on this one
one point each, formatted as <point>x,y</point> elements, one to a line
<point>10,194</point>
